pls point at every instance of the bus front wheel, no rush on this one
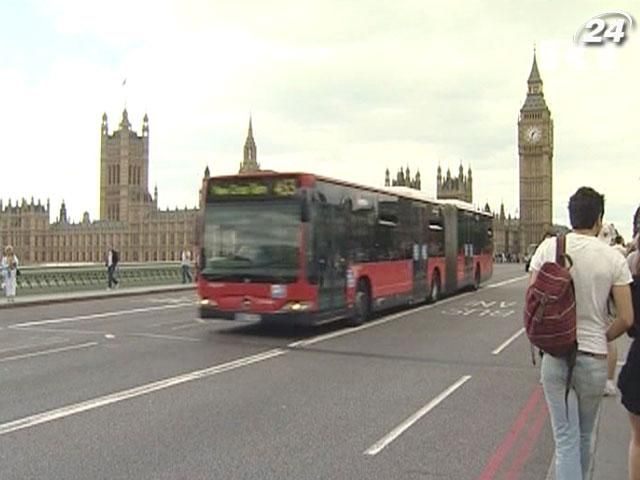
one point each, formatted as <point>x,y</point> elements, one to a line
<point>362,306</point>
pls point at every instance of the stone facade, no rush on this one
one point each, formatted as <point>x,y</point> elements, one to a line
<point>455,188</point>
<point>130,220</point>
<point>250,161</point>
<point>506,233</point>
<point>403,179</point>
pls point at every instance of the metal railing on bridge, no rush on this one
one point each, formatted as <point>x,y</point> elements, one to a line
<point>61,278</point>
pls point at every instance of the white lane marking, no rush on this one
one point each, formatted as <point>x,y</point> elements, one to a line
<point>51,415</point>
<point>506,282</point>
<point>161,337</point>
<point>165,324</point>
<point>188,325</point>
<point>32,345</point>
<point>60,330</point>
<point>508,341</point>
<point>375,323</point>
<point>48,352</point>
<point>399,430</point>
<point>100,315</point>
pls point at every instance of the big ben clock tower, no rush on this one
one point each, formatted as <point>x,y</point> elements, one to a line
<point>535,149</point>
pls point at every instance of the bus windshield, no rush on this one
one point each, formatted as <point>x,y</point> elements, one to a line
<point>252,241</point>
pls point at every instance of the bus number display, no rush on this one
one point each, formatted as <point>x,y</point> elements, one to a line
<point>269,187</point>
<point>284,187</point>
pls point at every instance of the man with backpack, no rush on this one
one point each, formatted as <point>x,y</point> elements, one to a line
<point>574,367</point>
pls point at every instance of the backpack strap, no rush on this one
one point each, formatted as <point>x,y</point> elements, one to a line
<point>561,252</point>
<point>561,246</point>
<point>562,257</point>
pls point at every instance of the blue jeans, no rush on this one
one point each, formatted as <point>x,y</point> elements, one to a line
<point>572,434</point>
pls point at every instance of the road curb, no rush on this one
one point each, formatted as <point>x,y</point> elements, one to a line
<point>65,298</point>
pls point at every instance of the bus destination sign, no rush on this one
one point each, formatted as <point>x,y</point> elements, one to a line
<point>251,188</point>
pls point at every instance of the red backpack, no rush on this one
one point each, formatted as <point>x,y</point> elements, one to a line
<point>550,307</point>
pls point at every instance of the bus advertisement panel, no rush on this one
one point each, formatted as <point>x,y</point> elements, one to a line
<point>309,249</point>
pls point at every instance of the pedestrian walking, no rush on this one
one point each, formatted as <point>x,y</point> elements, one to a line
<point>610,236</point>
<point>111,262</point>
<point>596,271</point>
<point>185,262</point>
<point>10,273</point>
<point>629,378</point>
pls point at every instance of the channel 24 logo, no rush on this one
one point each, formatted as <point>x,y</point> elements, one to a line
<point>608,27</point>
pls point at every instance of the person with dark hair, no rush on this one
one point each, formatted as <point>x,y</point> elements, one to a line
<point>629,378</point>
<point>111,262</point>
<point>596,270</point>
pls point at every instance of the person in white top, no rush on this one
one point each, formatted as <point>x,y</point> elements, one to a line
<point>9,266</point>
<point>597,271</point>
<point>185,262</point>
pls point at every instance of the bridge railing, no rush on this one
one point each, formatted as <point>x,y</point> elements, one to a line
<point>42,279</point>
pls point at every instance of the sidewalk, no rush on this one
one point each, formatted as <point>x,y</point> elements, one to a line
<point>30,300</point>
<point>612,441</point>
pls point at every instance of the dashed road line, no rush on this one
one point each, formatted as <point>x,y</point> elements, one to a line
<point>99,315</point>
<point>58,413</point>
<point>48,352</point>
<point>161,337</point>
<point>508,342</point>
<point>51,415</point>
<point>400,429</point>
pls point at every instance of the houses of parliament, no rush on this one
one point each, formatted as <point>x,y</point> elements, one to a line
<point>132,222</point>
<point>130,219</point>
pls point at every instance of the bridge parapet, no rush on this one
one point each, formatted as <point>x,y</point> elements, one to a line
<point>42,279</point>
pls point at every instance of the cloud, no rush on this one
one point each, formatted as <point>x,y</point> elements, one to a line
<point>333,88</point>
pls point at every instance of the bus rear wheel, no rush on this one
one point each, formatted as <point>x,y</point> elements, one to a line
<point>362,306</point>
<point>435,288</point>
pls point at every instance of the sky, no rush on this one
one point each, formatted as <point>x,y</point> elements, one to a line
<point>344,89</point>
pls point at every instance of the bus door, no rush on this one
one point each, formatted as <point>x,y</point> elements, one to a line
<point>466,236</point>
<point>419,253</point>
<point>330,255</point>
<point>451,249</point>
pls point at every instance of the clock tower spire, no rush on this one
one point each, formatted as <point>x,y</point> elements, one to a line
<point>535,151</point>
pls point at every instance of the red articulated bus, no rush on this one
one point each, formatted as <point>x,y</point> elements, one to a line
<point>309,249</point>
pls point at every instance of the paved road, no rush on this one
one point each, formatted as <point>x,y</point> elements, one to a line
<point>137,388</point>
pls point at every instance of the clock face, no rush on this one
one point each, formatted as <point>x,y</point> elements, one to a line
<point>533,134</point>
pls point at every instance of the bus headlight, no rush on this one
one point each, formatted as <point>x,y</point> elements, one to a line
<point>205,302</point>
<point>278,291</point>
<point>297,306</point>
